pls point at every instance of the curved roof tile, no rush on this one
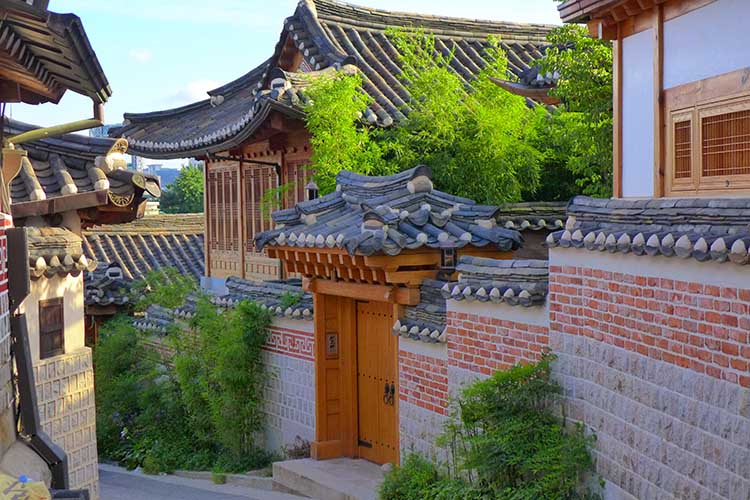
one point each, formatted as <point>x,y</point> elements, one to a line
<point>369,215</point>
<point>329,34</point>
<point>702,229</point>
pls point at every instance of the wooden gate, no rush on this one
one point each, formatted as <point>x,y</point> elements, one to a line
<point>377,380</point>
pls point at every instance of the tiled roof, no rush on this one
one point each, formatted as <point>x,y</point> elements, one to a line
<point>73,164</point>
<point>369,215</point>
<point>426,320</point>
<point>514,282</point>
<point>533,83</point>
<point>106,285</point>
<point>329,34</point>
<point>157,319</point>
<point>703,229</point>
<point>533,216</point>
<point>270,295</point>
<point>55,250</point>
<point>52,50</point>
<point>153,242</point>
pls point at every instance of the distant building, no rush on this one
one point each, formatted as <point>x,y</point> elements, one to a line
<point>103,131</point>
<point>166,175</point>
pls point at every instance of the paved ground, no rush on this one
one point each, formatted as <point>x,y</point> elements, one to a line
<point>119,484</point>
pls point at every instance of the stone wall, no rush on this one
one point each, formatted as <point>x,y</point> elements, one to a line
<point>482,338</point>
<point>65,394</point>
<point>423,396</point>
<point>289,398</point>
<point>653,356</point>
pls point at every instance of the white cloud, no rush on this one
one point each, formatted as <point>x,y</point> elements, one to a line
<point>141,55</point>
<point>193,91</point>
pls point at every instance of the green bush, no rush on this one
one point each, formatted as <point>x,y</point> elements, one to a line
<point>504,443</point>
<point>411,480</point>
<point>200,411</point>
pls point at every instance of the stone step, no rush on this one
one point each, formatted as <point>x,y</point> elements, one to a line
<point>337,479</point>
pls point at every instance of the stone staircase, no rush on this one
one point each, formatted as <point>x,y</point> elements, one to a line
<point>337,479</point>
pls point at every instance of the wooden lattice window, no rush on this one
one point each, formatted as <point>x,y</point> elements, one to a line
<point>51,328</point>
<point>725,147</point>
<point>709,148</point>
<point>683,151</point>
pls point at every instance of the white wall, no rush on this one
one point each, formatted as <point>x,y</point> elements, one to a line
<point>71,289</point>
<point>638,115</point>
<point>706,42</point>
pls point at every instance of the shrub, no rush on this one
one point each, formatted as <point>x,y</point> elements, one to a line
<point>409,481</point>
<point>201,411</point>
<point>505,443</point>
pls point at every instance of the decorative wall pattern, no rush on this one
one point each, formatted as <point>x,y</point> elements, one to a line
<point>294,343</point>
<point>289,397</point>
<point>65,393</point>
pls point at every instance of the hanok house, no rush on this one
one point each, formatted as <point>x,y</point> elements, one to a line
<point>127,252</point>
<point>649,292</point>
<point>63,185</point>
<point>43,55</point>
<point>251,132</point>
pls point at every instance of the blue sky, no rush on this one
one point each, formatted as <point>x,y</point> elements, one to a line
<point>159,54</point>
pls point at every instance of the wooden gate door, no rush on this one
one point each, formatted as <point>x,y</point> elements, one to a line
<point>377,380</point>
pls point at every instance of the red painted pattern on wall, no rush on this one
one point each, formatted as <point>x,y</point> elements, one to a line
<point>698,326</point>
<point>294,343</point>
<point>485,345</point>
<point>423,381</point>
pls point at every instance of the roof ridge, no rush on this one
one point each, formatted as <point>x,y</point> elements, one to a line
<point>333,4</point>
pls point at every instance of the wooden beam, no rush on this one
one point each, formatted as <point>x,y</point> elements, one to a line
<point>60,204</point>
<point>659,145</point>
<point>361,291</point>
<point>414,278</point>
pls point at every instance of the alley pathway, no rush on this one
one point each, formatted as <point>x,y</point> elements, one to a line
<point>119,484</point>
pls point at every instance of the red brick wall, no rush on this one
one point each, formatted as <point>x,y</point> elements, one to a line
<point>485,345</point>
<point>423,381</point>
<point>704,328</point>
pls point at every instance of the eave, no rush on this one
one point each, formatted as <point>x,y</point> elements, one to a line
<point>536,94</point>
<point>60,204</point>
<point>230,143</point>
<point>43,54</point>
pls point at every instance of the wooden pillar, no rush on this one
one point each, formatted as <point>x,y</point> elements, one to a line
<point>659,145</point>
<point>242,216</point>
<point>617,114</point>
<point>206,221</point>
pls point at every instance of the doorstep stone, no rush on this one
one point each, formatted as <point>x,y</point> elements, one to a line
<point>337,479</point>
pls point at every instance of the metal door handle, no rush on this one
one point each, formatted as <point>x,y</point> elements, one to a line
<point>393,393</point>
<point>386,394</point>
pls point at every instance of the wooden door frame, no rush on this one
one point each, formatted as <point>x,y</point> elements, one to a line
<point>347,444</point>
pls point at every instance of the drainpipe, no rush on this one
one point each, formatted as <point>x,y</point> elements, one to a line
<point>57,130</point>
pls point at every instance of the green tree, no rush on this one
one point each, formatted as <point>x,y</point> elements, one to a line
<point>477,138</point>
<point>185,194</point>
<point>339,139</point>
<point>477,132</point>
<point>579,132</point>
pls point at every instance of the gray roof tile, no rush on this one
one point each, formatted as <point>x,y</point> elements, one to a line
<point>368,215</point>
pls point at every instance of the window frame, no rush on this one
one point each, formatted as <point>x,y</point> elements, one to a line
<point>695,101</point>
<point>47,330</point>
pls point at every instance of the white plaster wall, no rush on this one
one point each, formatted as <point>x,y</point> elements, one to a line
<point>435,350</point>
<point>710,273</point>
<point>638,115</point>
<point>706,42</point>
<point>71,290</point>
